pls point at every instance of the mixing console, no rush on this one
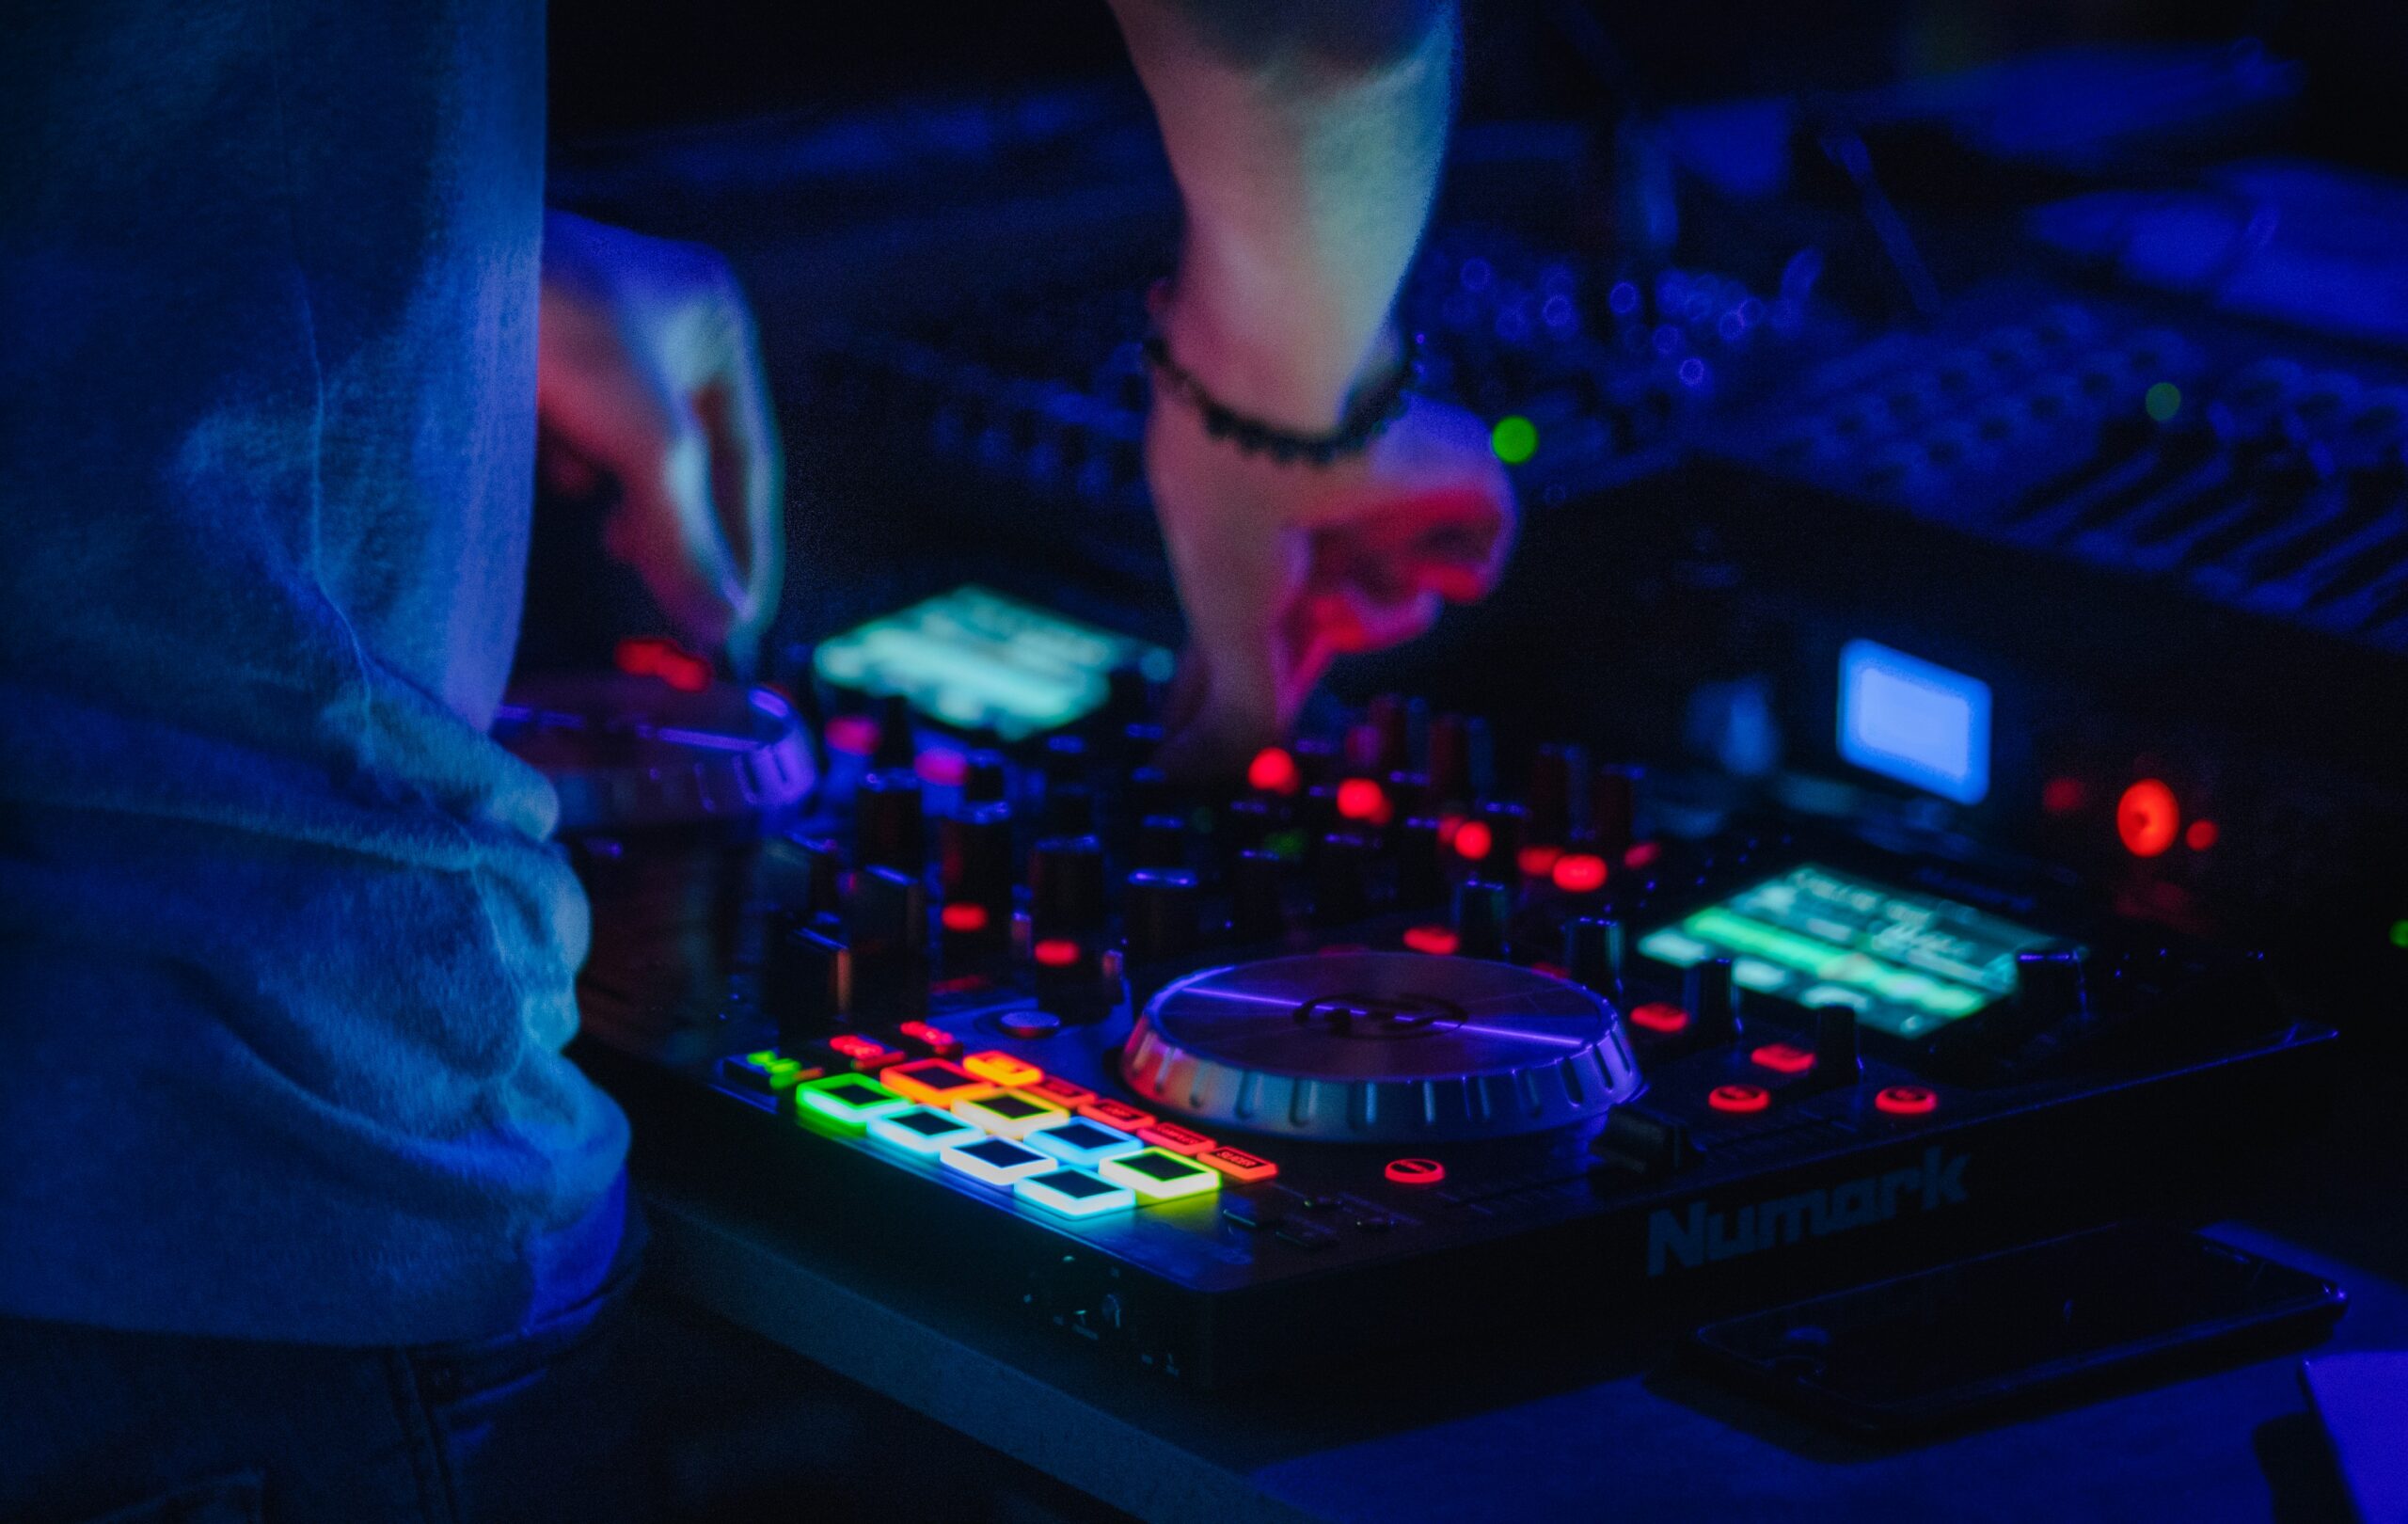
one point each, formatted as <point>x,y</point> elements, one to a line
<point>1228,1080</point>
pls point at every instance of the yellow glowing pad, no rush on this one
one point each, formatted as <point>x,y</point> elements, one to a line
<point>1160,1175</point>
<point>1001,1067</point>
<point>1009,1115</point>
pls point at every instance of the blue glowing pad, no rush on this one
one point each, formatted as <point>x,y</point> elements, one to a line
<point>998,1161</point>
<point>1074,1193</point>
<point>1908,719</point>
<point>1079,1141</point>
<point>923,1131</point>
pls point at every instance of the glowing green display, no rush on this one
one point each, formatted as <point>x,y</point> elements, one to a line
<point>1515,439</point>
<point>2400,934</point>
<point>974,658</point>
<point>1907,963</point>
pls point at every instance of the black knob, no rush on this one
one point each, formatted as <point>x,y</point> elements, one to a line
<point>1593,952</point>
<point>1064,759</point>
<point>1248,824</point>
<point>1148,793</point>
<point>1450,759</point>
<point>1135,745</point>
<point>889,825</point>
<point>2050,985</point>
<point>1548,802</point>
<point>1613,802</point>
<point>1390,725</point>
<point>1712,1000</point>
<point>1256,912</point>
<point>1342,879</point>
<point>807,984</point>
<point>1317,759</point>
<point>1420,873</point>
<point>975,859</point>
<point>821,887</point>
<point>1483,912</point>
<point>986,778</point>
<point>1160,910</point>
<point>1070,809</point>
<point>1837,1060</point>
<point>896,747</point>
<point>1409,793</point>
<point>1161,841</point>
<point>1316,813</point>
<point>1127,694</point>
<point>1066,887</point>
<point>888,913</point>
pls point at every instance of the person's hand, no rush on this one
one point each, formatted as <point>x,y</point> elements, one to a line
<point>648,374</point>
<point>1282,568</point>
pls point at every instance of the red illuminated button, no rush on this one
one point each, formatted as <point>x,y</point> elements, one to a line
<point>1906,1101</point>
<point>964,917</point>
<point>1642,854</point>
<point>1274,771</point>
<point>1117,1113</point>
<point>2148,817</point>
<point>1056,952</point>
<point>1660,1016</point>
<point>1003,1068</point>
<point>1239,1164</point>
<point>1437,940</point>
<point>853,733</point>
<point>1535,862</point>
<point>1579,873</point>
<point>1782,1058</point>
<point>1060,1091</point>
<point>1360,798</point>
<point>935,1038</point>
<point>866,1055</point>
<point>1416,1171</point>
<point>1178,1139</point>
<point>936,1082</point>
<point>1739,1098</point>
<point>1474,840</point>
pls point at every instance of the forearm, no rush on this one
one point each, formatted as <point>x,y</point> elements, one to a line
<point>1305,136</point>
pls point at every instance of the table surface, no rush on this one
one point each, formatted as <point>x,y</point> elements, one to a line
<point>1564,1430</point>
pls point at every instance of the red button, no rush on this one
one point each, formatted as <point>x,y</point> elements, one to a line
<point>1416,1171</point>
<point>1060,1091</point>
<point>935,1038</point>
<point>1739,1098</point>
<point>1435,940</point>
<point>1783,1058</point>
<point>1117,1114</point>
<point>1906,1101</point>
<point>1178,1139</point>
<point>1056,952</point>
<point>1239,1164</point>
<point>1660,1016</point>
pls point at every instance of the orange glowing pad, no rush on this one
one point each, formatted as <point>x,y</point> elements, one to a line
<point>1003,1068</point>
<point>937,1083</point>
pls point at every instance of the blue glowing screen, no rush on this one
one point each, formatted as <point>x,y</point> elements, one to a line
<point>1904,718</point>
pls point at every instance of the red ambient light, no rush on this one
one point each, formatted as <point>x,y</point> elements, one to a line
<point>1360,798</point>
<point>1056,952</point>
<point>1783,1058</point>
<point>1474,840</point>
<point>2202,835</point>
<point>1274,771</point>
<point>1416,1171</point>
<point>1437,940</point>
<point>945,769</point>
<point>964,916</point>
<point>2063,796</point>
<point>1642,854</point>
<point>1536,861</point>
<point>1906,1101</point>
<point>855,735</point>
<point>1579,873</point>
<point>1660,1016</point>
<point>1741,1099</point>
<point>2148,817</point>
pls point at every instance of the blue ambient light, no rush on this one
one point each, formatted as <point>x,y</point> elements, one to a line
<point>1904,718</point>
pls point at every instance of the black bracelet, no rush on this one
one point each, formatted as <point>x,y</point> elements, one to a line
<point>1370,411</point>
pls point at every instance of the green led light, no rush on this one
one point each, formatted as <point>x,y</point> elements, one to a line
<point>847,1100</point>
<point>2162,401</point>
<point>1515,439</point>
<point>2400,932</point>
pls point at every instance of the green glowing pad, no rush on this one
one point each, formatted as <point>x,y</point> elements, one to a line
<point>848,1100</point>
<point>1160,1175</point>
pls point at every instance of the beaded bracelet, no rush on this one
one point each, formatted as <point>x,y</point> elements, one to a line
<point>1370,411</point>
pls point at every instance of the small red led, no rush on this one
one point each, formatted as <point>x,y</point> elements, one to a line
<point>1474,840</point>
<point>1056,952</point>
<point>1274,771</point>
<point>1438,941</point>
<point>1416,1171</point>
<point>1741,1099</point>
<point>1660,1016</point>
<point>1579,873</point>
<point>2063,796</point>
<point>1536,861</point>
<point>961,915</point>
<point>2201,835</point>
<point>855,735</point>
<point>852,1046</point>
<point>1906,1101</point>
<point>2148,817</point>
<point>1360,798</point>
<point>1642,854</point>
<point>943,767</point>
<point>1783,1058</point>
<point>934,1038</point>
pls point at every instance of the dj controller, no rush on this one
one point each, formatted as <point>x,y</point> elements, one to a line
<point>1930,779</point>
